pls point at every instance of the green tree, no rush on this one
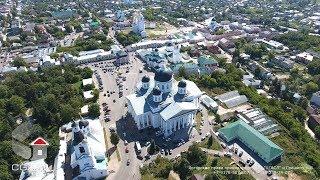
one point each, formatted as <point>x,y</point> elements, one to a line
<point>4,170</point>
<point>18,62</point>
<point>94,110</point>
<point>317,131</point>
<point>311,87</point>
<point>68,113</point>
<point>196,156</point>
<point>210,141</point>
<point>214,162</point>
<point>182,72</point>
<point>152,148</point>
<point>15,105</point>
<point>182,167</point>
<point>87,73</point>
<point>114,138</point>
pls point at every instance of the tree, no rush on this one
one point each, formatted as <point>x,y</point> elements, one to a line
<point>68,113</point>
<point>94,110</point>
<point>15,105</point>
<point>18,62</point>
<point>152,148</point>
<point>217,118</point>
<point>214,162</point>
<point>86,73</point>
<point>210,141</point>
<point>114,138</point>
<point>311,87</point>
<point>317,131</point>
<point>182,72</point>
<point>196,156</point>
<point>183,168</point>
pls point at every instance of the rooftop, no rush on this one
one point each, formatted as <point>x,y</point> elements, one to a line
<point>256,141</point>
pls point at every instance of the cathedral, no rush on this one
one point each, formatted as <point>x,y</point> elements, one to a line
<point>162,102</point>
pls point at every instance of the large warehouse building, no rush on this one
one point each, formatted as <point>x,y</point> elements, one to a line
<point>253,139</point>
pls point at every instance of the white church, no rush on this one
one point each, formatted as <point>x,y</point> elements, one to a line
<point>88,160</point>
<point>162,102</point>
<point>138,24</point>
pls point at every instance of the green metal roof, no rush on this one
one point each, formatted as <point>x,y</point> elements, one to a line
<point>206,60</point>
<point>252,138</point>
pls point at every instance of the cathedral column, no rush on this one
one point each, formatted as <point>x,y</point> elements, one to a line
<point>179,123</point>
<point>174,125</point>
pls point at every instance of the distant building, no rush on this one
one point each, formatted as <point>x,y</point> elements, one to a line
<point>264,72</point>
<point>249,80</point>
<point>213,26</point>
<point>314,121</point>
<point>63,14</point>
<point>232,99</point>
<point>163,103</point>
<point>265,149</point>
<point>120,16</point>
<point>259,121</point>
<point>97,55</point>
<point>315,99</point>
<point>209,103</point>
<point>138,24</point>
<point>46,61</point>
<point>153,58</point>
<point>86,82</point>
<point>274,45</point>
<point>282,62</point>
<point>304,58</point>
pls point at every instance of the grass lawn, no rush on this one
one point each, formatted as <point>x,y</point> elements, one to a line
<point>147,177</point>
<point>198,121</point>
<point>118,154</point>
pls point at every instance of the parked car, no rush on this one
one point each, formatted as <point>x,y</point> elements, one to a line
<point>236,150</point>
<point>147,143</point>
<point>162,151</point>
<point>228,154</point>
<point>248,160</point>
<point>242,163</point>
<point>147,156</point>
<point>223,145</point>
<point>269,173</point>
<point>241,153</point>
<point>127,150</point>
<point>128,162</point>
<point>170,152</point>
<point>251,163</point>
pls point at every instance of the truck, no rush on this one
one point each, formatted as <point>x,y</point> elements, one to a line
<point>138,147</point>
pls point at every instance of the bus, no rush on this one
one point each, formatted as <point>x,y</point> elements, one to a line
<point>138,147</point>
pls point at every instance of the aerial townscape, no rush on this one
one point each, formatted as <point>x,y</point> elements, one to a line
<point>160,89</point>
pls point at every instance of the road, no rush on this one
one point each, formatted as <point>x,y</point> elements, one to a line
<point>118,110</point>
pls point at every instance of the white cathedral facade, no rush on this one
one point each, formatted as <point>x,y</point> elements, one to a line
<point>161,102</point>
